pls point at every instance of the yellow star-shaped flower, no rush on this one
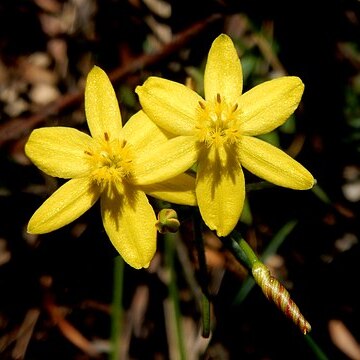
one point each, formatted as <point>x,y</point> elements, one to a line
<point>218,132</point>
<point>107,165</point>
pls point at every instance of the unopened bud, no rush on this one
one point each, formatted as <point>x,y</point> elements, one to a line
<point>277,293</point>
<point>167,221</point>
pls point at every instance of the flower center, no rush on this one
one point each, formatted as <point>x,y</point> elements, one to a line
<point>218,122</point>
<point>111,162</point>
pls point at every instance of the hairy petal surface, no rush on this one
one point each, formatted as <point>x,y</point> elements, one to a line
<point>220,191</point>
<point>165,161</point>
<point>101,105</point>
<point>223,72</point>
<point>65,205</point>
<point>178,190</point>
<point>129,222</point>
<point>59,151</point>
<point>273,164</point>
<point>171,105</point>
<point>268,105</point>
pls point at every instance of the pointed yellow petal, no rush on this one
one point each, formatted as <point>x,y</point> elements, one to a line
<point>178,190</point>
<point>59,151</point>
<point>129,222</point>
<point>101,105</point>
<point>220,191</point>
<point>65,205</point>
<point>273,165</point>
<point>165,161</point>
<point>170,105</point>
<point>269,105</point>
<point>142,133</point>
<point>223,73</point>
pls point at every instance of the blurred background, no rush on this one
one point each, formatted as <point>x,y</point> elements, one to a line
<point>57,297</point>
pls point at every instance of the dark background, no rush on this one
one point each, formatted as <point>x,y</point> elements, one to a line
<point>72,268</point>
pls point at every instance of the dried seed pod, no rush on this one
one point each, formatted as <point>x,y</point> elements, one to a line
<point>277,293</point>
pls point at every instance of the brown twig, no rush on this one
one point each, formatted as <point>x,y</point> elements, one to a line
<point>25,333</point>
<point>18,127</point>
<point>57,316</point>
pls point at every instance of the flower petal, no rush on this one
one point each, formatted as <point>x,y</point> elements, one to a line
<point>142,133</point>
<point>165,161</point>
<point>220,191</point>
<point>129,222</point>
<point>65,205</point>
<point>172,106</point>
<point>269,105</point>
<point>274,165</point>
<point>59,151</point>
<point>223,72</point>
<point>101,105</point>
<point>178,190</point>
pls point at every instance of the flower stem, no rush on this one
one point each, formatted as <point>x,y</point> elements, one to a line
<point>116,308</point>
<point>241,249</point>
<point>170,239</point>
<point>320,355</point>
<point>203,276</point>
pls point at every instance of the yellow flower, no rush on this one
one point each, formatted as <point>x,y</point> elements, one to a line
<point>218,132</point>
<point>107,165</point>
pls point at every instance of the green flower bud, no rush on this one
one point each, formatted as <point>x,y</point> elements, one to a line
<point>167,221</point>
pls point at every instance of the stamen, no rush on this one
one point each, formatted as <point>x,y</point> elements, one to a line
<point>218,122</point>
<point>88,153</point>
<point>106,135</point>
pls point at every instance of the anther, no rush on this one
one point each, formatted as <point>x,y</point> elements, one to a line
<point>235,107</point>
<point>88,153</point>
<point>202,105</point>
<point>106,135</point>
<point>218,98</point>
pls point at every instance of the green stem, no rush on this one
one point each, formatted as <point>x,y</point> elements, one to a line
<point>170,239</point>
<point>205,315</point>
<point>271,249</point>
<point>203,276</point>
<point>240,249</point>
<point>320,355</point>
<point>116,308</point>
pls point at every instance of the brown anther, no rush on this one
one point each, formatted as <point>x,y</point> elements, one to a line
<point>202,105</point>
<point>235,107</point>
<point>106,135</point>
<point>88,153</point>
<point>218,98</point>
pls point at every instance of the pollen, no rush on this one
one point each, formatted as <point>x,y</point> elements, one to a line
<point>111,162</point>
<point>218,122</point>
